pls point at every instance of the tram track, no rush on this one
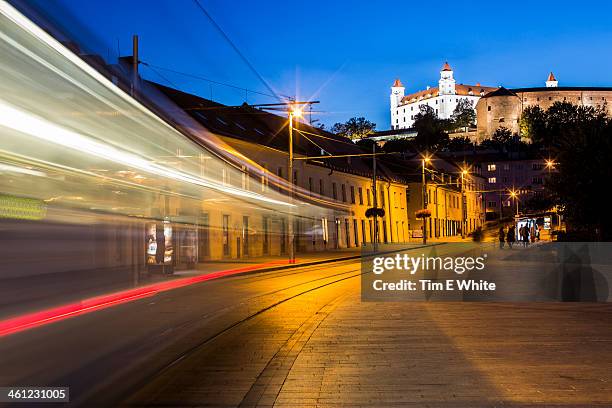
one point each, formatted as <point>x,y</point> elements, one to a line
<point>339,277</point>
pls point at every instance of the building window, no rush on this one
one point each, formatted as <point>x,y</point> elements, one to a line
<point>536,180</point>
<point>360,193</point>
<point>368,197</point>
<point>334,191</point>
<point>321,187</point>
<point>352,195</point>
<point>310,187</point>
<point>489,108</point>
<point>343,188</point>
<point>550,98</point>
<point>492,204</point>
<point>492,180</point>
<point>537,166</point>
<point>491,167</point>
<point>506,167</point>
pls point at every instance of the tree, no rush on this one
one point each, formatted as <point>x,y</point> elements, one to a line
<point>460,144</point>
<point>354,128</point>
<point>398,145</point>
<point>503,140</point>
<point>503,136</point>
<point>533,124</point>
<point>582,147</point>
<point>431,130</point>
<point>366,144</point>
<point>463,116</point>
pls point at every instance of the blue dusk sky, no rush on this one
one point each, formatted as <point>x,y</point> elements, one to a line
<point>347,53</point>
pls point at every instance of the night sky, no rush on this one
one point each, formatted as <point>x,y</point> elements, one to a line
<point>347,53</point>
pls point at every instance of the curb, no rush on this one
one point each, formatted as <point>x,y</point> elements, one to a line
<point>313,263</point>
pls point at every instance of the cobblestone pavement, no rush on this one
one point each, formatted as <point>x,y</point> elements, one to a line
<point>327,348</point>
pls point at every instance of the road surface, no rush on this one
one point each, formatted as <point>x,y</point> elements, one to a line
<point>303,337</point>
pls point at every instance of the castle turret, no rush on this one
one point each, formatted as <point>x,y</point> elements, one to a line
<point>446,84</point>
<point>397,93</point>
<point>552,82</point>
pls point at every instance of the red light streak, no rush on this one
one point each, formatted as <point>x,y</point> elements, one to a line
<point>40,318</point>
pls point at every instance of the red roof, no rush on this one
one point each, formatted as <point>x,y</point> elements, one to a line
<point>446,67</point>
<point>551,77</point>
<point>397,83</point>
<point>460,89</point>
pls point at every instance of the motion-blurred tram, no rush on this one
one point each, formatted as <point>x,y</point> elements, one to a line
<point>97,190</point>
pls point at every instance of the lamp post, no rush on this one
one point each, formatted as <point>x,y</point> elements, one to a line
<point>374,198</point>
<point>514,195</point>
<point>425,160</point>
<point>464,173</point>
<point>293,112</point>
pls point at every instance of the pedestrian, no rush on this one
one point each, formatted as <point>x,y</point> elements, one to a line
<point>510,236</point>
<point>502,236</point>
<point>525,236</point>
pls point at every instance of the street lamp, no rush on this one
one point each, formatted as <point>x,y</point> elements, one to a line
<point>426,159</point>
<point>550,165</point>
<point>514,195</point>
<point>293,113</point>
<point>464,173</point>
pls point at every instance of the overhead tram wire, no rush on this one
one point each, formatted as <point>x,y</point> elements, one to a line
<point>240,54</point>
<point>159,74</point>
<point>195,76</point>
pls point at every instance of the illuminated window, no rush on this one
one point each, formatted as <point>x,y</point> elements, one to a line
<point>491,167</point>
<point>492,180</point>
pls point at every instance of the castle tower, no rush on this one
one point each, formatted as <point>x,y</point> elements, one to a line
<point>397,93</point>
<point>446,84</point>
<point>552,82</point>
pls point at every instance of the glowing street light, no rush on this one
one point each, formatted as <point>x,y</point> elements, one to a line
<point>514,195</point>
<point>294,112</point>
<point>424,162</point>
<point>464,173</point>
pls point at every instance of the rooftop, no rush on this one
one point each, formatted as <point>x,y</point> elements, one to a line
<point>250,124</point>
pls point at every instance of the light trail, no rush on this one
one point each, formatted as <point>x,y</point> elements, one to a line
<point>29,124</point>
<point>56,314</point>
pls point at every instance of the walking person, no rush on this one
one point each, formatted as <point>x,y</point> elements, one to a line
<point>502,236</point>
<point>510,237</point>
<point>525,236</point>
